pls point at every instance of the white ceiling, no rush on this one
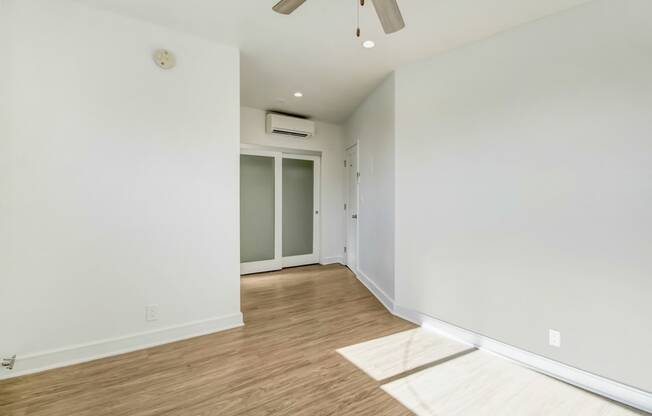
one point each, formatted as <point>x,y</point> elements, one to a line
<point>314,50</point>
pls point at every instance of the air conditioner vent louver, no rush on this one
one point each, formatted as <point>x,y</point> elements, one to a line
<point>289,133</point>
<point>289,126</point>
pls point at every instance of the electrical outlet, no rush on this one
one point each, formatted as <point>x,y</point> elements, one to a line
<point>151,313</point>
<point>554,338</point>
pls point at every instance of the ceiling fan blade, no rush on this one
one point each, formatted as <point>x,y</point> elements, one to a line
<point>287,6</point>
<point>389,15</point>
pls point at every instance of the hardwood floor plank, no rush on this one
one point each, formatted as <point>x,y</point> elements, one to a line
<point>282,362</point>
<point>390,356</point>
<point>482,384</point>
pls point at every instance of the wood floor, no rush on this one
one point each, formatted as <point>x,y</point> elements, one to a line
<point>483,384</point>
<point>395,355</point>
<point>282,362</point>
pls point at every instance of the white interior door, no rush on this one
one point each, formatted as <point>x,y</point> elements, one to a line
<point>279,210</point>
<point>352,208</point>
<point>301,209</point>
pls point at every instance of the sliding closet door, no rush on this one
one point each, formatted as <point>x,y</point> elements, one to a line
<point>300,210</point>
<point>260,213</point>
<point>279,210</point>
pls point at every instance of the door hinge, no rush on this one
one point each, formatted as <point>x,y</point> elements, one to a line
<point>345,249</point>
<point>344,207</point>
<point>8,363</point>
<point>345,163</point>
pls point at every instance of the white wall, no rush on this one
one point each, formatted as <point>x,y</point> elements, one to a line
<point>523,191</point>
<point>4,84</point>
<point>372,127</point>
<point>329,140</point>
<point>119,188</point>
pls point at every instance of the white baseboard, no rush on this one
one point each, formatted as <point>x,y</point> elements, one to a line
<point>332,260</point>
<point>386,300</point>
<point>46,360</point>
<point>602,386</point>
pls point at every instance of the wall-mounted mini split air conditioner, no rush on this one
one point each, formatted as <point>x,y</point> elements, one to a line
<point>289,126</point>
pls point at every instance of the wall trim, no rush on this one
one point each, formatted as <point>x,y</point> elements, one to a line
<point>602,386</point>
<point>380,294</point>
<point>75,354</point>
<point>331,260</point>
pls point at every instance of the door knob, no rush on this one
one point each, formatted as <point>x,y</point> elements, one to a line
<point>354,216</point>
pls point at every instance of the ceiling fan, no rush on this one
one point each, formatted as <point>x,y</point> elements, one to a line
<point>387,10</point>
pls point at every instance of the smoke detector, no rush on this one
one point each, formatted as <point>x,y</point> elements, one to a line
<point>164,59</point>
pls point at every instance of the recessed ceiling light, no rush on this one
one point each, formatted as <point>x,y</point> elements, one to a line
<point>298,94</point>
<point>368,44</point>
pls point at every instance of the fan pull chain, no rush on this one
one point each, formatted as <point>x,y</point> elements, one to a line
<point>357,31</point>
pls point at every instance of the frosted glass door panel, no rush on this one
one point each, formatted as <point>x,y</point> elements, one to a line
<point>256,208</point>
<point>298,207</point>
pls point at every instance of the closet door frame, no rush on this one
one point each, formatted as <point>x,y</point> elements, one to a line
<point>277,262</point>
<point>313,257</point>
